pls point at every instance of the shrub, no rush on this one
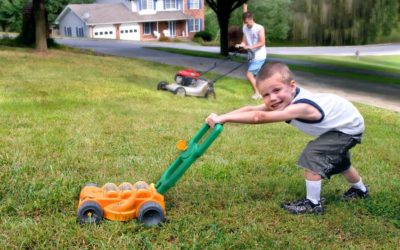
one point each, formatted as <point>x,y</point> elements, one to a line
<point>205,35</point>
<point>198,40</point>
<point>164,39</point>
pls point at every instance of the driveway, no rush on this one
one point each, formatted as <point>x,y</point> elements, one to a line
<point>379,95</point>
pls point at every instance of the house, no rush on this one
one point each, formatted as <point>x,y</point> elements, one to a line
<point>138,20</point>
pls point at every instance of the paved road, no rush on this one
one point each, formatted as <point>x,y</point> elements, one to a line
<point>385,96</point>
<point>371,50</point>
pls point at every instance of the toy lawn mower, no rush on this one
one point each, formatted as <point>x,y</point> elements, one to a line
<point>141,200</point>
<point>189,82</point>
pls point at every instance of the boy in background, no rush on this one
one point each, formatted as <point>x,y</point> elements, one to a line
<point>253,40</point>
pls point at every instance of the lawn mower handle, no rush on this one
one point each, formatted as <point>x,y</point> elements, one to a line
<point>250,56</point>
<point>193,151</point>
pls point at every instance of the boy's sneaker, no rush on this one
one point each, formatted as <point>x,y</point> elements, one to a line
<point>355,193</point>
<point>303,206</point>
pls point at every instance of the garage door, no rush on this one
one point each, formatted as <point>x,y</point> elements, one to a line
<point>129,32</point>
<point>104,32</point>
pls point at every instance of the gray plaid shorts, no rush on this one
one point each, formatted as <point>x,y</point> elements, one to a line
<point>329,153</point>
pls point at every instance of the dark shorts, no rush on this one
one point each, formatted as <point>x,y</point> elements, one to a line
<point>329,153</point>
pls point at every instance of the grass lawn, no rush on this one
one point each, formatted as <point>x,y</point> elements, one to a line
<point>389,64</point>
<point>385,64</point>
<point>68,119</point>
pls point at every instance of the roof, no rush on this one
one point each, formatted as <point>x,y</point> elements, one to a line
<point>117,13</point>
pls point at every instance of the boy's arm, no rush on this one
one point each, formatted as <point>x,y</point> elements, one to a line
<point>210,119</point>
<point>260,107</point>
<point>261,42</point>
<point>244,41</point>
<point>301,110</point>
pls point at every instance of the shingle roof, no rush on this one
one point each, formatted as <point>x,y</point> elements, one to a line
<point>119,13</point>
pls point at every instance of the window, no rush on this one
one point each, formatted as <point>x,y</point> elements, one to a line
<point>111,32</point>
<point>170,4</point>
<point>147,28</point>
<point>194,25</point>
<point>146,4</point>
<point>101,33</point>
<point>130,31</point>
<point>67,31</point>
<point>194,4</point>
<point>122,32</point>
<point>135,30</point>
<point>105,33</point>
<point>96,33</point>
<point>79,32</point>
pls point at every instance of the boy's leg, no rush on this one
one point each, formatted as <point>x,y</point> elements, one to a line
<point>312,203</point>
<point>252,80</point>
<point>351,175</point>
<point>313,186</point>
<point>357,189</point>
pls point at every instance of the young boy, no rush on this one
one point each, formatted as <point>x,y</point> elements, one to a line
<point>335,122</point>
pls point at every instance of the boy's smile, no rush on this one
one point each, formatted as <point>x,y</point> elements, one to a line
<point>276,94</point>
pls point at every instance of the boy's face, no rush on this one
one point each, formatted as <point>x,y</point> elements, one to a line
<point>249,22</point>
<point>276,94</point>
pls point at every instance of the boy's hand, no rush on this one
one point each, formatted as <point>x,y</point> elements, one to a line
<point>213,119</point>
<point>242,46</point>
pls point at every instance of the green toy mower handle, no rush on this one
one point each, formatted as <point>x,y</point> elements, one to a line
<point>193,151</point>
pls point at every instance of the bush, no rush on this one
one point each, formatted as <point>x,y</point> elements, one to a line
<point>17,42</point>
<point>198,40</point>
<point>164,39</point>
<point>205,35</point>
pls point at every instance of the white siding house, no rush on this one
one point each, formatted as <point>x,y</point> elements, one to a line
<point>132,20</point>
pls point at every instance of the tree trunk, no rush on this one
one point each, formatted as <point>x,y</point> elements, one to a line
<point>223,10</point>
<point>223,22</point>
<point>40,22</point>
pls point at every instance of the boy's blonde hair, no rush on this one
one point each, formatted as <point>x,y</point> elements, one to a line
<point>271,69</point>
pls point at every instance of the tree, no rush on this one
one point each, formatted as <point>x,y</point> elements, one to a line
<point>10,15</point>
<point>31,18</point>
<point>326,22</point>
<point>223,9</point>
<point>274,15</point>
<point>41,34</point>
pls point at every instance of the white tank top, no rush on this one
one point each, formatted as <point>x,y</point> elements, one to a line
<point>252,37</point>
<point>337,114</point>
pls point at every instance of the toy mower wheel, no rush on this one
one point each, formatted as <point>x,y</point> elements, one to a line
<point>151,214</point>
<point>90,213</point>
<point>180,91</point>
<point>162,85</point>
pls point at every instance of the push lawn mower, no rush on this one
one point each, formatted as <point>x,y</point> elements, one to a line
<point>141,200</point>
<point>189,82</point>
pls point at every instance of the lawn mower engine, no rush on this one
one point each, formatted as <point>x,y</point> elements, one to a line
<point>187,77</point>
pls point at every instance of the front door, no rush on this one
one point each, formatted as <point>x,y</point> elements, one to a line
<point>172,28</point>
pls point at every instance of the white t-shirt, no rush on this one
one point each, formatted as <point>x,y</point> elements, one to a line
<point>252,37</point>
<point>337,114</point>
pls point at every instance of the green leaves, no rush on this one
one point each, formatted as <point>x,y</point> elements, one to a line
<point>11,14</point>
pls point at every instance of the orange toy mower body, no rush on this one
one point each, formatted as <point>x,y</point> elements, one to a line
<point>141,200</point>
<point>121,203</point>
